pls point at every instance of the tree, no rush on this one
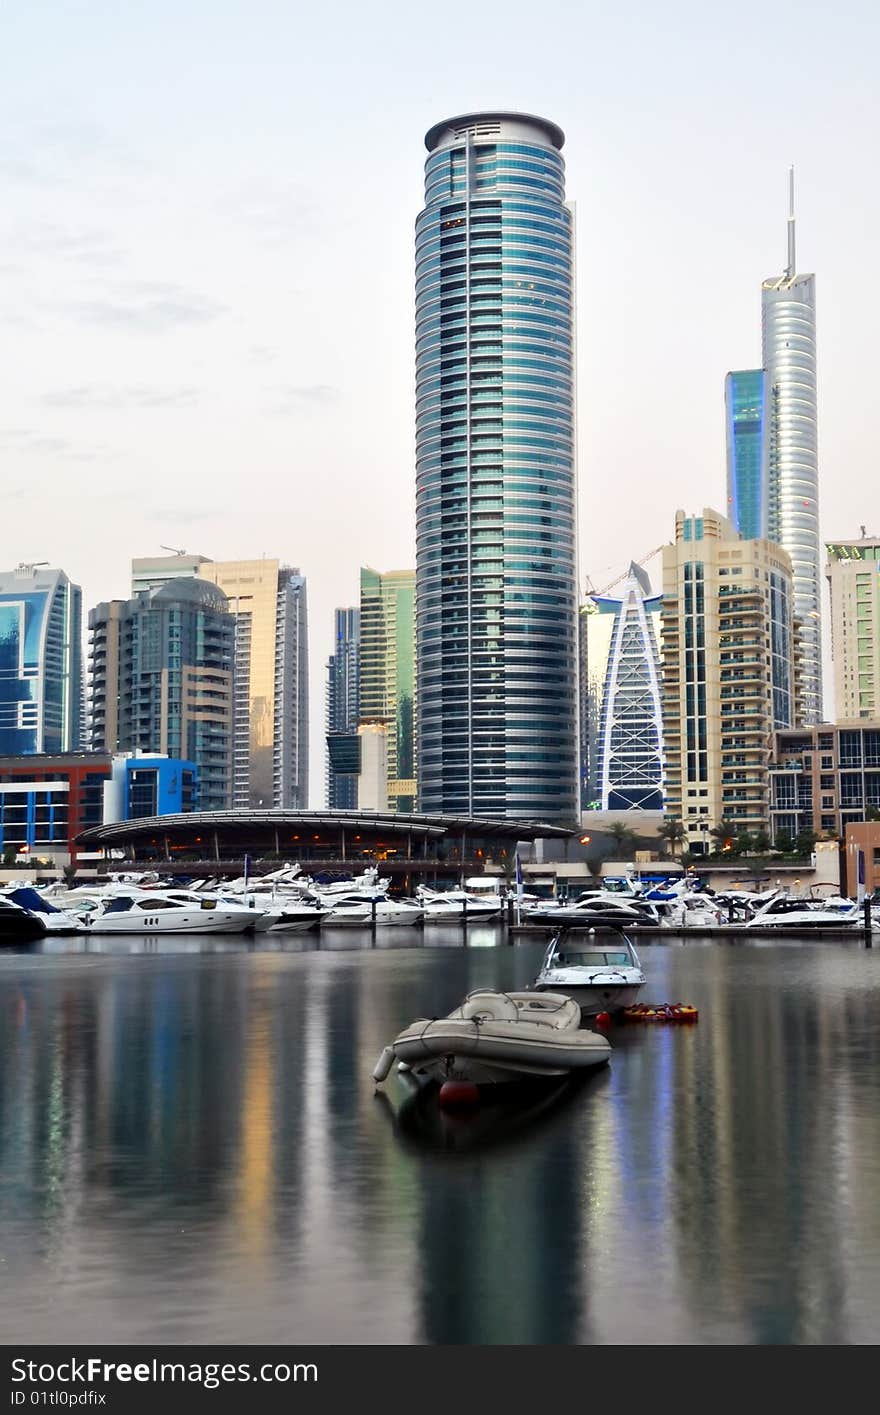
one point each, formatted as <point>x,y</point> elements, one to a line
<point>724,834</point>
<point>806,842</point>
<point>872,813</point>
<point>624,838</point>
<point>761,842</point>
<point>744,843</point>
<point>594,865</point>
<point>784,842</point>
<point>673,832</point>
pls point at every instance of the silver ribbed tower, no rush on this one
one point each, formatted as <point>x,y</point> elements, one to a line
<point>788,323</point>
<point>495,489</point>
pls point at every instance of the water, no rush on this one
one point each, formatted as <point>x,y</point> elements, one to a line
<point>191,1150</point>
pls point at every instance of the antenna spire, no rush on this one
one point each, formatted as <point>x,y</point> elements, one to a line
<point>791,267</point>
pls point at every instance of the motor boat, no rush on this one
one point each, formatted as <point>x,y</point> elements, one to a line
<point>597,967</point>
<point>693,911</point>
<point>55,920</point>
<point>456,905</point>
<point>18,925</point>
<point>288,915</point>
<point>151,912</point>
<point>783,911</point>
<point>495,1038</point>
<point>598,907</point>
<point>357,913</point>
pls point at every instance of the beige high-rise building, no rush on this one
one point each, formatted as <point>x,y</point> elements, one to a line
<point>270,752</point>
<point>729,673</point>
<point>853,574</point>
<point>386,698</point>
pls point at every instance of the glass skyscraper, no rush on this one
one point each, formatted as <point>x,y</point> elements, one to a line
<point>162,682</point>
<point>342,712</point>
<point>495,490</point>
<point>386,683</point>
<point>788,321</point>
<point>41,662</point>
<point>748,451</point>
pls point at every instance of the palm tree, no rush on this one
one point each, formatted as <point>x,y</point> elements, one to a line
<point>724,834</point>
<point>624,838</point>
<point>672,830</point>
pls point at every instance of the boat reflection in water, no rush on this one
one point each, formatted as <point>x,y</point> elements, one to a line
<point>503,1115</point>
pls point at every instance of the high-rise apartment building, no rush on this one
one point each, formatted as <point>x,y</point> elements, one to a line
<point>386,694</point>
<point>161,680</point>
<point>41,663</point>
<point>747,429</point>
<point>853,573</point>
<point>495,487</point>
<point>788,321</point>
<point>621,699</point>
<point>271,739</point>
<point>730,669</point>
<point>342,712</point>
<point>271,751</point>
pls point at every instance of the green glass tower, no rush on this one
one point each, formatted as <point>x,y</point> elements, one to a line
<point>386,654</point>
<point>748,452</point>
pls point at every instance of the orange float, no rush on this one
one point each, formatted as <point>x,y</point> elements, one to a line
<point>661,1012</point>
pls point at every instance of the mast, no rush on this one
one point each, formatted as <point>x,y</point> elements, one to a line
<point>791,267</point>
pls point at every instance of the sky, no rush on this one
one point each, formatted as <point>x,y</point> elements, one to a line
<point>206,265</point>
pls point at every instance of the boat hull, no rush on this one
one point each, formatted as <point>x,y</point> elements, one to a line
<point>494,1053</point>
<point>215,922</point>
<point>593,998</point>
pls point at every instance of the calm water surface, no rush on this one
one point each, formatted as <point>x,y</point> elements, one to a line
<point>191,1150</point>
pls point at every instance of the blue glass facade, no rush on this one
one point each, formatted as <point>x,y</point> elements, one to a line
<point>40,662</point>
<point>343,754</point>
<point>748,452</point>
<point>495,494</point>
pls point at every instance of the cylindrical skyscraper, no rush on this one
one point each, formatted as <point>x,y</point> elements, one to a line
<point>495,491</point>
<point>788,319</point>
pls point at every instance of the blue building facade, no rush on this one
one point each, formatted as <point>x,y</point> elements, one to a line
<point>747,423</point>
<point>41,666</point>
<point>495,490</point>
<point>342,712</point>
<point>45,801</point>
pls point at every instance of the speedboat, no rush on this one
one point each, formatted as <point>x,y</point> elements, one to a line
<point>598,968</point>
<point>18,925</point>
<point>55,920</point>
<point>356,913</point>
<point>451,905</point>
<point>784,912</point>
<point>693,911</point>
<point>598,907</point>
<point>152,912</point>
<point>496,1037</point>
<point>288,916</point>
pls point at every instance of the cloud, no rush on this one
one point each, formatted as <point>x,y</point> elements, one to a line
<point>33,443</point>
<point>291,398</point>
<point>148,308</point>
<point>84,245</point>
<point>275,215</point>
<point>96,395</point>
<point>182,516</point>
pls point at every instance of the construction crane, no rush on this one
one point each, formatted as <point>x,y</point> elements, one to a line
<point>590,588</point>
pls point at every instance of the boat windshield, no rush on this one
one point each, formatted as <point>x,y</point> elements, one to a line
<point>595,958</point>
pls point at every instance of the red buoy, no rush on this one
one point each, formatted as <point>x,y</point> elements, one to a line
<point>602,1019</point>
<point>459,1093</point>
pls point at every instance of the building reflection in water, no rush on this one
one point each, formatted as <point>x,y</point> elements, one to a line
<point>191,1149</point>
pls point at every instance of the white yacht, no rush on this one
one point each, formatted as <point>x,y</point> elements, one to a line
<point>597,907</point>
<point>353,912</point>
<point>443,906</point>
<point>597,967</point>
<point>782,911</point>
<point>150,911</point>
<point>494,1038</point>
<point>55,920</point>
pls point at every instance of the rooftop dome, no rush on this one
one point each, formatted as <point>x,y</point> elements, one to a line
<point>191,591</point>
